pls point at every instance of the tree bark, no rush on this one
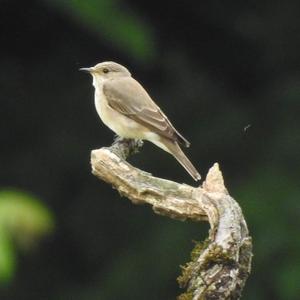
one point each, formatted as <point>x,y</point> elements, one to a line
<point>221,264</point>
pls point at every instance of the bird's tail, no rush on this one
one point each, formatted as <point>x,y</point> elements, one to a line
<point>176,151</point>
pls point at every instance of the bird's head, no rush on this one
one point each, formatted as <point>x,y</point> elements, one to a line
<point>106,70</point>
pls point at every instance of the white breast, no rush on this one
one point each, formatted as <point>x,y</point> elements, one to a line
<point>120,124</point>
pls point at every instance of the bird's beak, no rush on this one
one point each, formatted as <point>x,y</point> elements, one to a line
<point>87,70</point>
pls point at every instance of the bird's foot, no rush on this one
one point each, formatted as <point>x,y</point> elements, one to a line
<point>124,147</point>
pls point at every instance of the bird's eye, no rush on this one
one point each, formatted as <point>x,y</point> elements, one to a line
<point>105,70</point>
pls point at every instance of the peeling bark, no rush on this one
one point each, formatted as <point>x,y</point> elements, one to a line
<point>220,265</point>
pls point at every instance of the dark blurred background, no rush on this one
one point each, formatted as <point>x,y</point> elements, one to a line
<point>226,74</point>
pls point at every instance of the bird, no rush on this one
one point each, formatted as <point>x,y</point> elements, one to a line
<point>126,108</point>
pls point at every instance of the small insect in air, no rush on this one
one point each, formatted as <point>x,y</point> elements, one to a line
<point>247,127</point>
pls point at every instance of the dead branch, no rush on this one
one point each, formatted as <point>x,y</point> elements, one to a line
<point>220,265</point>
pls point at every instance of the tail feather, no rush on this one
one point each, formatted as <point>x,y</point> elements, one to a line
<point>182,140</point>
<point>176,151</point>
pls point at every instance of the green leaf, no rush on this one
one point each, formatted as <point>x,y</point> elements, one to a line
<point>7,258</point>
<point>24,217</point>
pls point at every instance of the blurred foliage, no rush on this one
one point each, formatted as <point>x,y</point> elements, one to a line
<point>115,22</point>
<point>7,257</point>
<point>272,211</point>
<point>24,220</point>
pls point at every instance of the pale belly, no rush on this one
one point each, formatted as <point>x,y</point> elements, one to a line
<point>120,124</point>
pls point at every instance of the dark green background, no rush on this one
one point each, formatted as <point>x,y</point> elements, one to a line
<point>214,67</point>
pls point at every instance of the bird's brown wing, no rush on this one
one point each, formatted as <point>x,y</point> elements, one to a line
<point>128,97</point>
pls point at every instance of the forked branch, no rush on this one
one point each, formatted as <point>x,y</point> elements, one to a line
<point>220,265</point>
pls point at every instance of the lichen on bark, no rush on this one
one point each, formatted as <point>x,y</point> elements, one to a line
<point>220,265</point>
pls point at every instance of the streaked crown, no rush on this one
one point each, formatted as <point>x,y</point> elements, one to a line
<point>107,69</point>
<point>110,68</point>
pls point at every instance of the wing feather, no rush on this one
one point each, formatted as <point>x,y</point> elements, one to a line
<point>128,97</point>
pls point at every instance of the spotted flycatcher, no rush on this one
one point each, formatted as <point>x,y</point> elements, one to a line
<point>126,108</point>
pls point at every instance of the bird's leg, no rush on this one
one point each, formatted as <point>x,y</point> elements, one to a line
<point>117,139</point>
<point>123,147</point>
